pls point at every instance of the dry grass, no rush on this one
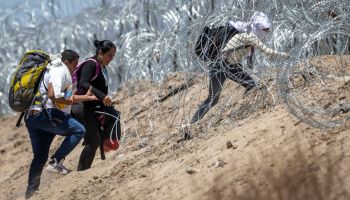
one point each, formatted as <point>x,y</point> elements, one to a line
<point>301,179</point>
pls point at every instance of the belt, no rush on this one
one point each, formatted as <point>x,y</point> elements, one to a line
<point>33,112</point>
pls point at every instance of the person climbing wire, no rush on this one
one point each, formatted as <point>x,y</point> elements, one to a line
<point>243,43</point>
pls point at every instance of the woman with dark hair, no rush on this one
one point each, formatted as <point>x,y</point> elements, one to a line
<point>94,76</point>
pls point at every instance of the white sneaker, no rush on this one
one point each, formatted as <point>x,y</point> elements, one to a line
<point>57,167</point>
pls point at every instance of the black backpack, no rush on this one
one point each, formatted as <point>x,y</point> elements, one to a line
<point>212,40</point>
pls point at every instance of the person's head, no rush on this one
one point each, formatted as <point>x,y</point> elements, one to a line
<point>105,51</point>
<point>260,25</point>
<point>70,58</point>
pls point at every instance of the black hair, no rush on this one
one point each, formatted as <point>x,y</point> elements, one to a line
<point>69,55</point>
<point>103,45</point>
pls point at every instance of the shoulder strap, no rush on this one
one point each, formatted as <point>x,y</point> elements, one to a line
<point>19,120</point>
<point>43,80</point>
<point>97,71</point>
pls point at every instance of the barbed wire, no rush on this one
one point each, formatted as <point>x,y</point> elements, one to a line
<point>158,69</point>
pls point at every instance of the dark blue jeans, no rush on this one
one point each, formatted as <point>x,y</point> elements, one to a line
<point>42,131</point>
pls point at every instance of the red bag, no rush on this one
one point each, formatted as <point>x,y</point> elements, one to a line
<point>109,145</point>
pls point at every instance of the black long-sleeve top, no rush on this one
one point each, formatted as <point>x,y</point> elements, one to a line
<point>99,86</point>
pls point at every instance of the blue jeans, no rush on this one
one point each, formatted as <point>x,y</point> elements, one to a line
<point>42,131</point>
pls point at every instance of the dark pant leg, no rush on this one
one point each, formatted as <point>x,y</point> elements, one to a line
<point>91,139</point>
<point>216,81</point>
<point>78,112</point>
<point>68,127</point>
<point>236,73</point>
<point>41,142</point>
<point>42,131</point>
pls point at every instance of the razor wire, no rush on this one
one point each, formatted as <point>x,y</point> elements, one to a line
<point>314,84</point>
<point>155,43</point>
<point>316,87</point>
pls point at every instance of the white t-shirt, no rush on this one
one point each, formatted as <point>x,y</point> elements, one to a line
<point>58,75</point>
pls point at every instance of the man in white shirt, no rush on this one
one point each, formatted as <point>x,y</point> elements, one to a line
<point>50,116</point>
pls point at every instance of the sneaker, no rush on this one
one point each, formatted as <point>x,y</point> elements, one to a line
<point>30,192</point>
<point>57,167</point>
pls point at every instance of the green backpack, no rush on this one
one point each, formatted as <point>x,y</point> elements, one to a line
<point>25,80</point>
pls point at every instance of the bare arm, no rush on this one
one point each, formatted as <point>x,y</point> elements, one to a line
<point>85,97</point>
<point>73,99</point>
<point>61,100</point>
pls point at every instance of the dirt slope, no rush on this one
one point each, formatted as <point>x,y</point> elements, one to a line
<point>153,163</point>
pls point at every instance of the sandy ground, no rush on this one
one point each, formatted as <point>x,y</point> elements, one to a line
<point>229,153</point>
